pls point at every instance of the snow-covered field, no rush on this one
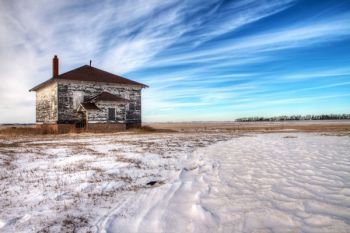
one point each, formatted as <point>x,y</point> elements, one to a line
<point>176,182</point>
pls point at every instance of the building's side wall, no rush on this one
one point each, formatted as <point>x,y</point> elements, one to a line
<point>133,111</point>
<point>70,92</point>
<point>46,104</point>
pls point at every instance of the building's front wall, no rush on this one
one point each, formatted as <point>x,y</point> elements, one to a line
<point>71,93</point>
<point>46,104</point>
<point>101,116</point>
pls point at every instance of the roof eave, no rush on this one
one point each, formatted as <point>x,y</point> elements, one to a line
<point>122,84</point>
<point>120,101</point>
<point>88,109</point>
<point>139,84</point>
<point>43,84</point>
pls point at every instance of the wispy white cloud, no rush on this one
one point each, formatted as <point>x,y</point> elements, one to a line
<point>286,101</point>
<point>224,17</point>
<point>247,95</point>
<point>320,73</point>
<point>257,45</point>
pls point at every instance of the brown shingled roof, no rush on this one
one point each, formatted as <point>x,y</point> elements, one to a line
<point>106,96</point>
<point>90,74</point>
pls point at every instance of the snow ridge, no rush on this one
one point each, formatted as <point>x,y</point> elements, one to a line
<point>259,183</point>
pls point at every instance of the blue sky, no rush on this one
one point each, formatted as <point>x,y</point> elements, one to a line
<point>203,60</point>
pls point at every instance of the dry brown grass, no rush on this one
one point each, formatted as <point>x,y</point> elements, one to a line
<point>13,131</point>
<point>150,129</point>
<point>335,126</point>
<point>316,126</point>
<point>32,130</point>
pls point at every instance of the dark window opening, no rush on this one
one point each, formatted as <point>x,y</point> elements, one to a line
<point>111,114</point>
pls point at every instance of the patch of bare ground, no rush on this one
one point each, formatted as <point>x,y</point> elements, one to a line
<point>149,129</point>
<point>339,134</point>
<point>70,224</point>
<point>289,136</point>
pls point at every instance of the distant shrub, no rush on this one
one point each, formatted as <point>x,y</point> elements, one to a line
<point>297,118</point>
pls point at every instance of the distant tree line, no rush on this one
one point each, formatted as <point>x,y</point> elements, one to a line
<point>297,118</point>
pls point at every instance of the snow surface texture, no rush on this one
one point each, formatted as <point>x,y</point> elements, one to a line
<point>281,182</point>
<point>67,183</point>
<point>260,183</point>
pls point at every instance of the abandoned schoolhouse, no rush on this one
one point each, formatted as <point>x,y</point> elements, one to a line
<point>87,99</point>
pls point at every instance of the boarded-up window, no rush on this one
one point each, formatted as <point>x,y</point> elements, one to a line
<point>111,114</point>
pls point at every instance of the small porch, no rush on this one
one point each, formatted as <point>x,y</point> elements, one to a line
<point>103,108</point>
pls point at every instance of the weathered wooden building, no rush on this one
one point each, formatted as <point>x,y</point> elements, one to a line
<point>89,99</point>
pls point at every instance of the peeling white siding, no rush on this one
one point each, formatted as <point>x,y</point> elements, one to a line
<point>46,104</point>
<point>102,114</point>
<point>78,98</point>
<point>68,92</point>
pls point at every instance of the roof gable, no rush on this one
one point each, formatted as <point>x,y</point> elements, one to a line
<point>106,96</point>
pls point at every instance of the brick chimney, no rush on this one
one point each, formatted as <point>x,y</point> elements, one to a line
<point>55,66</point>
